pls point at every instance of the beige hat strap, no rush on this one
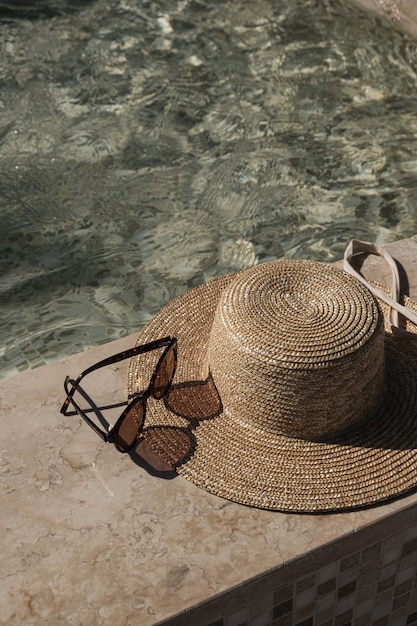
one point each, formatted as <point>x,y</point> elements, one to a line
<point>356,247</point>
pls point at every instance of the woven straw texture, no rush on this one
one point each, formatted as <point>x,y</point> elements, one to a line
<point>289,394</point>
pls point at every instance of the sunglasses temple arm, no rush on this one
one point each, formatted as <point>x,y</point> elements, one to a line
<point>127,354</point>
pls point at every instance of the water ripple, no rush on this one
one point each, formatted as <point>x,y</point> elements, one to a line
<point>171,144</point>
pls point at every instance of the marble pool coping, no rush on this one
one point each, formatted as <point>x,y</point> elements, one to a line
<point>95,537</point>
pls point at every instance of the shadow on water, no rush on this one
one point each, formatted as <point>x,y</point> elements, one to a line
<point>38,9</point>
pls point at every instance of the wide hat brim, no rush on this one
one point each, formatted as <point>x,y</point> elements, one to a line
<point>221,453</point>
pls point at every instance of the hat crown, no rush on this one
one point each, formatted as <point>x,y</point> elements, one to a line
<point>297,348</point>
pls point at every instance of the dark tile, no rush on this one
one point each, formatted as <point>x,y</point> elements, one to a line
<point>382,621</point>
<point>400,601</point>
<point>282,609</point>
<point>412,618</point>
<point>402,588</point>
<point>343,618</point>
<point>387,583</point>
<point>346,590</point>
<point>328,585</point>
<point>384,597</point>
<point>218,622</point>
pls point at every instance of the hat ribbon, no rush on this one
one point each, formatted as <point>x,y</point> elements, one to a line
<point>355,248</point>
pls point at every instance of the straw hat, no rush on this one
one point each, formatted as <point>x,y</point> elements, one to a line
<point>290,393</point>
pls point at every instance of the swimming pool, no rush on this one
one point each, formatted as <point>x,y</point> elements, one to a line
<point>146,147</point>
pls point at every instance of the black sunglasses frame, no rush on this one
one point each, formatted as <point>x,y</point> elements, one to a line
<point>71,386</point>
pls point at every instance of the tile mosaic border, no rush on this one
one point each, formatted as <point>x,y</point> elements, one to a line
<point>368,578</point>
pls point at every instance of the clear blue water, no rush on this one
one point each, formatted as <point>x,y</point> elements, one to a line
<point>146,147</point>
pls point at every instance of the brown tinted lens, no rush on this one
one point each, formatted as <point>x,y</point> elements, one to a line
<point>131,426</point>
<point>164,374</point>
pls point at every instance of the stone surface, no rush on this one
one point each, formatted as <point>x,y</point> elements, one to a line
<point>401,13</point>
<point>90,536</point>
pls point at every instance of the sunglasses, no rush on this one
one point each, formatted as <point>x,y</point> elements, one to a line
<point>125,433</point>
